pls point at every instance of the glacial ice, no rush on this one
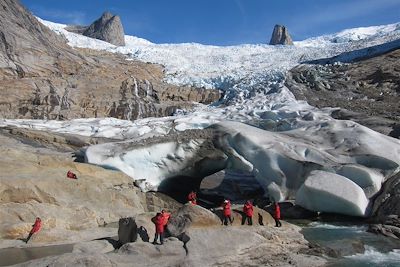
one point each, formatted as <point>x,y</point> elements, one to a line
<point>239,70</point>
<point>328,192</point>
<point>286,164</point>
<point>292,148</point>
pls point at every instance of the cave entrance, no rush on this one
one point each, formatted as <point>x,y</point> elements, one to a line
<point>211,190</point>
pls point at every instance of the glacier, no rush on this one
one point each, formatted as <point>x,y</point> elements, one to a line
<point>294,150</point>
<point>332,160</point>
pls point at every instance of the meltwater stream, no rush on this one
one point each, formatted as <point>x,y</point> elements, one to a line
<point>379,250</point>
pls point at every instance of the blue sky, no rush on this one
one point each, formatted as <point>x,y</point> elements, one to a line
<point>222,22</point>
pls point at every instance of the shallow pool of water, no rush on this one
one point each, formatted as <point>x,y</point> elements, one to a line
<point>10,256</point>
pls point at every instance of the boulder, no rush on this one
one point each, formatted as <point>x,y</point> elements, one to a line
<point>107,28</point>
<point>280,36</point>
<point>386,230</point>
<point>390,226</point>
<point>127,230</point>
<point>191,216</point>
<point>387,202</point>
<point>335,249</point>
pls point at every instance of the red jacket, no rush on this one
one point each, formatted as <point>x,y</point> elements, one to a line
<point>192,197</point>
<point>248,209</point>
<point>71,175</point>
<point>36,227</point>
<point>277,214</point>
<point>159,221</point>
<point>227,208</point>
<point>166,217</point>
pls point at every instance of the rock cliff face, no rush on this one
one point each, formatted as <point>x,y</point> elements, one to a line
<point>41,77</point>
<point>28,48</point>
<point>107,28</point>
<point>280,36</point>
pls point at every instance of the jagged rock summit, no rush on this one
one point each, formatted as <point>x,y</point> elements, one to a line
<point>280,36</point>
<point>107,28</point>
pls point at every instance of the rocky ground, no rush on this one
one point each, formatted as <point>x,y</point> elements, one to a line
<point>367,91</point>
<point>210,244</point>
<point>33,183</point>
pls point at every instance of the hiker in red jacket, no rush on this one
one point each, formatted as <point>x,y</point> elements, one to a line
<point>166,215</point>
<point>192,198</point>
<point>35,228</point>
<point>277,215</point>
<point>226,206</point>
<point>159,222</point>
<point>248,213</point>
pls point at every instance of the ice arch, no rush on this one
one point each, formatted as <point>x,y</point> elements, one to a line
<point>284,163</point>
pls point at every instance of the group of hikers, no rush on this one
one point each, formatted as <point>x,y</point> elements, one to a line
<point>248,210</point>
<point>161,219</point>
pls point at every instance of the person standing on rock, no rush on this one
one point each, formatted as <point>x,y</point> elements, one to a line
<point>166,215</point>
<point>248,213</point>
<point>35,228</point>
<point>192,198</point>
<point>226,208</point>
<point>277,214</point>
<point>159,222</point>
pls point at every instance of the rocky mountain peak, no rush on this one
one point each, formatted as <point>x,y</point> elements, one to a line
<point>280,36</point>
<point>107,28</point>
<point>107,15</point>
